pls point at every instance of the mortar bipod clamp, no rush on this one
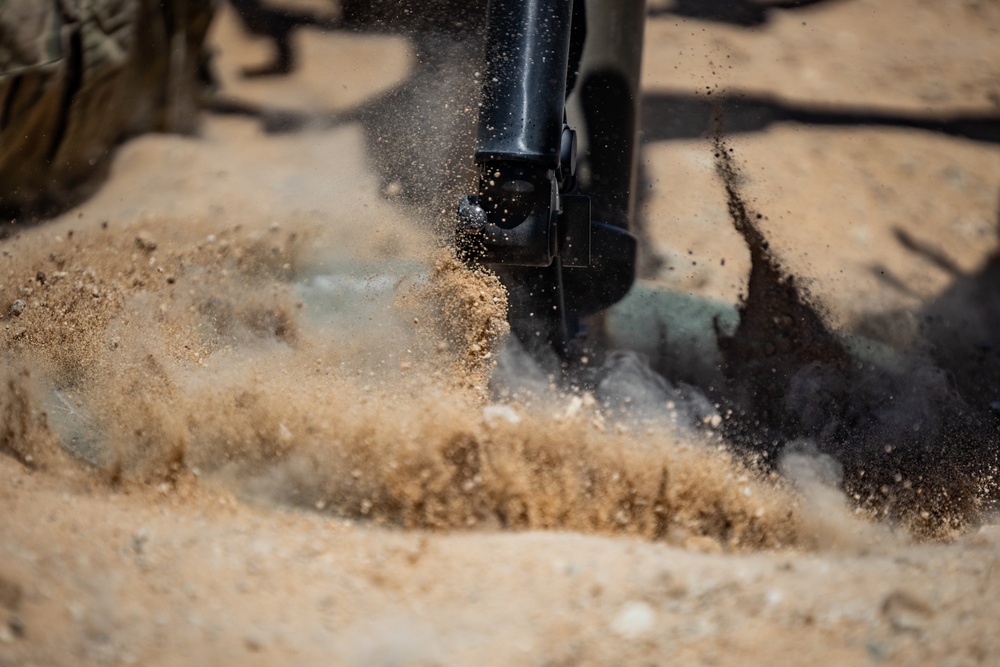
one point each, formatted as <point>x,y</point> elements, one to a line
<point>524,216</point>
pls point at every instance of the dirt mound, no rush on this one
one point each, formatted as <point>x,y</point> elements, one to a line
<point>160,357</point>
<point>178,355</point>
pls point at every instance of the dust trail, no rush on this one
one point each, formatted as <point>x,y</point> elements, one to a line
<point>195,356</point>
<point>827,517</point>
<point>911,447</point>
<point>24,431</point>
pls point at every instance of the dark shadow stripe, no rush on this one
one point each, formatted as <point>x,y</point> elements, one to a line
<point>668,116</point>
<point>74,80</point>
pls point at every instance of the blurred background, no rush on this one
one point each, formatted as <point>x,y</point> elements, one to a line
<point>867,131</point>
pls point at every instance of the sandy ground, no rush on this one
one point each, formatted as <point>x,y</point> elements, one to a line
<point>245,417</point>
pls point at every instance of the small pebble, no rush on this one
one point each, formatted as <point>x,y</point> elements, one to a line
<point>494,414</point>
<point>906,612</point>
<point>145,241</point>
<point>18,307</point>
<point>634,620</point>
<point>16,626</point>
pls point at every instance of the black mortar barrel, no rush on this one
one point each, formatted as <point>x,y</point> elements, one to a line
<point>527,51</point>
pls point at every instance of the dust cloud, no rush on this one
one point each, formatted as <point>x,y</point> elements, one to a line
<point>911,449</point>
<point>356,382</point>
<point>158,360</point>
<point>379,389</point>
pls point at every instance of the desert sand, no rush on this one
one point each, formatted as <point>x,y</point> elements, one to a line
<point>247,415</point>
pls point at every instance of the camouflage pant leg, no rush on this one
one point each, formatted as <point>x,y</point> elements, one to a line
<point>77,76</point>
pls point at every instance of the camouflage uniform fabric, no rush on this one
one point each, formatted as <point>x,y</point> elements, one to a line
<point>77,77</point>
